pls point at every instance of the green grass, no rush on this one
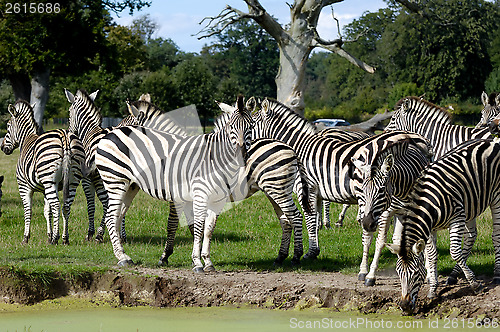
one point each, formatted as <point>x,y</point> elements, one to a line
<point>247,237</point>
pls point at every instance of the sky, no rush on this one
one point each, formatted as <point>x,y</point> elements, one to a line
<point>179,20</point>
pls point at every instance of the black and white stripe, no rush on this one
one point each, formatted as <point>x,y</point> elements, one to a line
<point>198,173</point>
<point>491,108</point>
<point>386,183</point>
<point>47,163</point>
<point>452,190</point>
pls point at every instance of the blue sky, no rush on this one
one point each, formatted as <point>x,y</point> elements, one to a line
<point>179,20</point>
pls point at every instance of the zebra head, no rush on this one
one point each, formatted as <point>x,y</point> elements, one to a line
<point>410,267</point>
<point>21,124</point>
<point>82,110</point>
<point>399,119</point>
<point>490,110</point>
<point>493,126</point>
<point>239,127</point>
<point>376,191</point>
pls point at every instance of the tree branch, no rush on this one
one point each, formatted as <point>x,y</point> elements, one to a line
<point>231,15</point>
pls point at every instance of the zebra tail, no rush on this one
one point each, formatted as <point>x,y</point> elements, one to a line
<point>306,203</point>
<point>66,167</point>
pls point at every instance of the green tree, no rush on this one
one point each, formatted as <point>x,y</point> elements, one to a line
<point>65,40</point>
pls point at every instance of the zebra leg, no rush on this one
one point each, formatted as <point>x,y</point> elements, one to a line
<point>456,234</point>
<point>431,264</point>
<point>383,226</point>
<point>200,214</point>
<point>27,198</point>
<point>89,191</point>
<point>118,193</point>
<point>172,225</point>
<point>67,209</point>
<point>340,222</point>
<point>367,238</point>
<point>102,194</point>
<point>325,221</point>
<point>312,225</point>
<point>207,239</point>
<point>469,240</point>
<point>47,213</point>
<point>286,237</point>
<point>495,236</point>
<point>52,196</point>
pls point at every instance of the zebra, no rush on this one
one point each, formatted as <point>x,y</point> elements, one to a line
<point>198,173</point>
<point>271,167</point>
<point>417,115</point>
<point>327,161</point>
<point>453,189</point>
<point>490,110</point>
<point>85,122</point>
<point>386,182</point>
<point>345,136</point>
<point>47,163</point>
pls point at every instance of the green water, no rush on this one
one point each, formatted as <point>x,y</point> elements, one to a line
<point>57,316</point>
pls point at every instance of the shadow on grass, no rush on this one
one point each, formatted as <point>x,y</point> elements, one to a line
<point>185,240</point>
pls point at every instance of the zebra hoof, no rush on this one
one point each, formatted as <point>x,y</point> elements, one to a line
<point>162,262</point>
<point>431,295</point>
<point>496,281</point>
<point>125,262</point>
<point>123,240</point>
<point>476,286</point>
<point>370,282</point>
<point>338,224</point>
<point>311,255</point>
<point>198,269</point>
<point>65,242</point>
<point>362,276</point>
<point>451,281</point>
<point>98,239</point>
<point>295,262</point>
<point>209,269</point>
<point>25,240</point>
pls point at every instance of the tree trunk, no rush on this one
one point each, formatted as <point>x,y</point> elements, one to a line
<point>40,93</point>
<point>21,85</point>
<point>290,79</point>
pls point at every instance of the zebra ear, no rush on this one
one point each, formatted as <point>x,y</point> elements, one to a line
<point>251,104</point>
<point>12,110</point>
<point>239,103</point>
<point>418,247</point>
<point>93,95</point>
<point>497,100</point>
<point>387,164</point>
<point>132,109</point>
<point>394,248</point>
<point>484,98</point>
<point>265,106</point>
<point>145,97</point>
<point>69,96</point>
<point>225,107</point>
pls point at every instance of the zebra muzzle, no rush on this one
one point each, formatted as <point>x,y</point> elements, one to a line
<point>369,222</point>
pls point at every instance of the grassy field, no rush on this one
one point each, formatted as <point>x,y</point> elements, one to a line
<point>247,237</point>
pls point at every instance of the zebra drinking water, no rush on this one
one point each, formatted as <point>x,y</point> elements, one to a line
<point>200,170</point>
<point>47,163</point>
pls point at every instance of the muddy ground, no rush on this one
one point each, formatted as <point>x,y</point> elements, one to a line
<point>283,290</point>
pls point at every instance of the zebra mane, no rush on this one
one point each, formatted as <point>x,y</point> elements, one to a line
<point>147,108</point>
<point>95,112</point>
<point>24,109</point>
<point>288,115</point>
<point>421,107</point>
<point>398,149</point>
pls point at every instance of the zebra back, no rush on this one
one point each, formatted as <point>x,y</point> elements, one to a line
<point>433,122</point>
<point>490,110</point>
<point>151,116</point>
<point>343,135</point>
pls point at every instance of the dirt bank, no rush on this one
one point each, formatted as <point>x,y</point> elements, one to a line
<point>285,290</point>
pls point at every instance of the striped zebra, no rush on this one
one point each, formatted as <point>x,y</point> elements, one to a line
<point>47,163</point>
<point>455,188</point>
<point>343,136</point>
<point>198,173</point>
<point>327,162</point>
<point>490,110</point>
<point>85,122</point>
<point>433,122</point>
<point>386,182</point>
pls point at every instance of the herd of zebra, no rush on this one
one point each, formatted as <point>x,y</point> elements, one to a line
<point>426,172</point>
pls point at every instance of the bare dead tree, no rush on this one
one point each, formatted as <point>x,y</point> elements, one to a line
<point>296,40</point>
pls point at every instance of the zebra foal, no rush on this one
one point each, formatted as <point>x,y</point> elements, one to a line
<point>47,163</point>
<point>197,173</point>
<point>452,190</point>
